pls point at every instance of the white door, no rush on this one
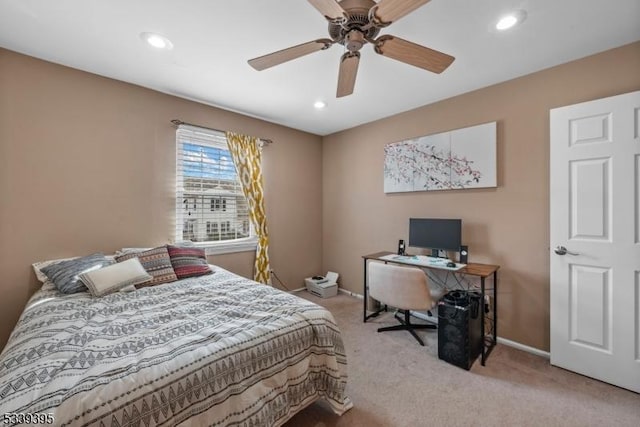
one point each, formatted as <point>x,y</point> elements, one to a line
<point>595,211</point>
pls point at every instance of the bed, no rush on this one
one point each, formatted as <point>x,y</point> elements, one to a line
<point>215,350</point>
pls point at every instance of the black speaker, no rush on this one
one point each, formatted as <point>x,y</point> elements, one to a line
<point>459,334</point>
<point>464,254</point>
<point>400,247</point>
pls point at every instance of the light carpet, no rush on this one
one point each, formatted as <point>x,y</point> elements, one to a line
<point>393,381</point>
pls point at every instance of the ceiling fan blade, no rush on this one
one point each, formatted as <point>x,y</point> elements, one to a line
<point>284,55</point>
<point>413,54</point>
<point>388,11</point>
<point>348,71</point>
<point>329,8</point>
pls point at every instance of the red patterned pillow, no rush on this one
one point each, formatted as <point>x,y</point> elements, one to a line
<point>156,262</point>
<point>188,261</point>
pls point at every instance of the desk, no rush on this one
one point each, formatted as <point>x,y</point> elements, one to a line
<point>483,271</point>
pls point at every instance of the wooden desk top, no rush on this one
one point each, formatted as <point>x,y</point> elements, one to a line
<point>472,269</point>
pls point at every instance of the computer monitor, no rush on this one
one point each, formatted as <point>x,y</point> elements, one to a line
<point>435,234</point>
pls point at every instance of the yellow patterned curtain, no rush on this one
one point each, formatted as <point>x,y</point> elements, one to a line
<point>247,157</point>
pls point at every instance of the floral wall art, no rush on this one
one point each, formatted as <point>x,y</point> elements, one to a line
<point>458,159</point>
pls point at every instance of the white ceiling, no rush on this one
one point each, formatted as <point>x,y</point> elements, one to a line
<point>213,39</point>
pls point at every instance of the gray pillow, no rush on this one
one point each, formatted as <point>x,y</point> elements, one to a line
<point>65,274</point>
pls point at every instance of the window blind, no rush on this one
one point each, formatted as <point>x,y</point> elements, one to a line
<point>210,205</point>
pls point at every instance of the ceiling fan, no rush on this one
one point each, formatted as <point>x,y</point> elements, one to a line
<point>353,23</point>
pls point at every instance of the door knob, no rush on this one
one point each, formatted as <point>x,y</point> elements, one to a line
<point>561,250</point>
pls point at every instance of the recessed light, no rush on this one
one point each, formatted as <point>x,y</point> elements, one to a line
<point>156,40</point>
<point>319,105</point>
<point>511,20</point>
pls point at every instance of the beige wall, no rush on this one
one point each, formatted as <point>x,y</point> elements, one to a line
<point>87,164</point>
<point>507,225</point>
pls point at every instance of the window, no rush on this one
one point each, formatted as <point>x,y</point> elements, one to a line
<point>212,229</point>
<point>211,209</point>
<point>219,204</point>
<point>190,229</point>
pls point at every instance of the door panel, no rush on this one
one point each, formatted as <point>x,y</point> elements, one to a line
<point>590,181</point>
<point>637,312</point>
<point>590,305</point>
<point>593,129</point>
<point>636,217</point>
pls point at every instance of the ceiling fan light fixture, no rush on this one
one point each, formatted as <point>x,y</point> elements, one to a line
<point>354,40</point>
<point>511,20</point>
<point>157,41</point>
<point>354,23</point>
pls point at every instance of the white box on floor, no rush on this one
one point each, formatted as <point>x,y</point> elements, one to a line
<point>323,287</point>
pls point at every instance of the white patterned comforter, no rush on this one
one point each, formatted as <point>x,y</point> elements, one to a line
<point>216,350</point>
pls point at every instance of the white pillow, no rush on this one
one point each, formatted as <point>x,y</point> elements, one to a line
<point>115,277</point>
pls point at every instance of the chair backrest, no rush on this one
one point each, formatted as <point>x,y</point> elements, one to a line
<point>400,287</point>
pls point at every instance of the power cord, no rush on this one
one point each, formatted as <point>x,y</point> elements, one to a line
<point>279,281</point>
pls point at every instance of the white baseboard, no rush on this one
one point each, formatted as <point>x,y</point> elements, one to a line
<point>297,290</point>
<point>353,294</point>
<point>501,340</point>
<point>523,347</point>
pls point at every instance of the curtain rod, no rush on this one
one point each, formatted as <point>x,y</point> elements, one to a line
<point>180,122</point>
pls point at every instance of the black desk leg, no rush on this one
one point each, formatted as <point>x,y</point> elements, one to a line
<point>482,313</point>
<point>495,307</point>
<point>366,297</point>
<point>365,292</point>
<point>494,319</point>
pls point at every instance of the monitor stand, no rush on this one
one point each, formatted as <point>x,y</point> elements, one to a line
<point>435,253</point>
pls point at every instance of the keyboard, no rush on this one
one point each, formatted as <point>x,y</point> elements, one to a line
<point>423,260</point>
<point>428,260</point>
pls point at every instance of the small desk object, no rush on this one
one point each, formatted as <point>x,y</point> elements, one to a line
<point>482,271</point>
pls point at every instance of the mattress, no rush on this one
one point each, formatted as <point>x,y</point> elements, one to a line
<point>215,350</point>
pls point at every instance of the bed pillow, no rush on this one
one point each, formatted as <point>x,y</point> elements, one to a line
<point>188,261</point>
<point>156,262</point>
<point>115,277</point>
<point>38,266</point>
<point>65,274</point>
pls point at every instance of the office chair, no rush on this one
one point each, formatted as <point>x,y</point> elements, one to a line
<point>405,288</point>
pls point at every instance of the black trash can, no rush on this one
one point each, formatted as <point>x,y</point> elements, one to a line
<point>459,334</point>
